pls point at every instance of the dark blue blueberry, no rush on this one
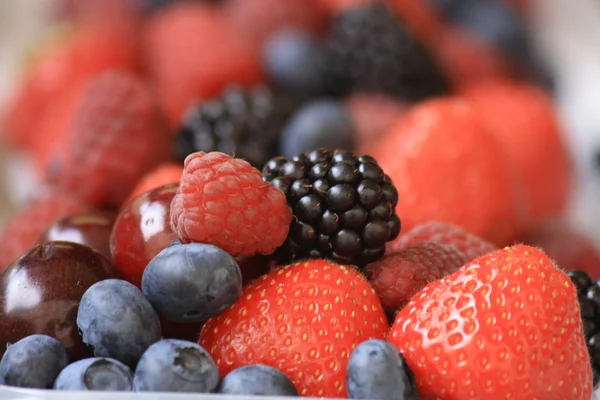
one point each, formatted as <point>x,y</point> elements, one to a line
<point>292,59</point>
<point>257,380</point>
<point>117,321</point>
<point>95,374</point>
<point>173,365</point>
<point>33,362</point>
<point>377,371</point>
<point>191,282</point>
<point>320,123</point>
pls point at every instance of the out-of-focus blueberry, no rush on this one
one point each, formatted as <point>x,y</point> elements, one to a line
<point>191,282</point>
<point>33,362</point>
<point>95,374</point>
<point>117,321</point>
<point>173,365</point>
<point>257,380</point>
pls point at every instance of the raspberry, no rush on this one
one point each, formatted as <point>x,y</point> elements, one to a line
<point>399,275</point>
<point>343,206</point>
<point>223,201</point>
<point>117,134</point>
<point>22,231</point>
<point>470,245</point>
<point>162,175</point>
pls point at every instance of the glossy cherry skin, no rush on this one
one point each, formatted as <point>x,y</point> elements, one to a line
<point>141,231</point>
<point>90,229</point>
<point>40,293</point>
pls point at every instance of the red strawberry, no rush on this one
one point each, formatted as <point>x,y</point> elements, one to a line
<point>117,134</point>
<point>446,166</point>
<point>304,319</point>
<point>420,17</point>
<point>524,122</point>
<point>22,231</point>
<point>224,201</point>
<point>257,19</point>
<point>505,326</point>
<point>159,176</point>
<point>193,51</point>
<point>471,246</point>
<point>570,249</point>
<point>397,276</point>
<point>70,61</point>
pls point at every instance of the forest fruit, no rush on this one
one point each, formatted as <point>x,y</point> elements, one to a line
<point>223,201</point>
<point>92,374</point>
<point>304,319</point>
<point>257,380</point>
<point>367,48</point>
<point>376,371</point>
<point>97,160</point>
<point>245,123</point>
<point>191,282</point>
<point>162,175</point>
<point>343,206</point>
<point>171,365</point>
<point>399,275</point>
<point>33,362</point>
<point>471,246</point>
<point>122,328</point>
<point>505,325</point>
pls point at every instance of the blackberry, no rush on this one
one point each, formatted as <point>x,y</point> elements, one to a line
<point>343,206</point>
<point>588,293</point>
<point>368,48</point>
<point>242,121</point>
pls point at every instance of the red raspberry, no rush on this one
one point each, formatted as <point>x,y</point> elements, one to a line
<point>160,176</point>
<point>118,134</point>
<point>224,201</point>
<point>397,276</point>
<point>22,231</point>
<point>470,245</point>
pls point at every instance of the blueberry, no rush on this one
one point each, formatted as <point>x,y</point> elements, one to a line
<point>95,374</point>
<point>191,282</point>
<point>117,321</point>
<point>173,365</point>
<point>377,371</point>
<point>257,380</point>
<point>292,59</point>
<point>320,123</point>
<point>33,362</point>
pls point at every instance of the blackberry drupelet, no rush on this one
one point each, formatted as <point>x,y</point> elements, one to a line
<point>588,293</point>
<point>343,206</point>
<point>369,49</point>
<point>245,122</point>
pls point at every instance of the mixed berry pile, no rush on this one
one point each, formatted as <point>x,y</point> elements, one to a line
<point>327,198</point>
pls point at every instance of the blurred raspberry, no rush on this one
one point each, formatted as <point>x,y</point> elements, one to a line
<point>117,135</point>
<point>159,176</point>
<point>194,52</point>
<point>22,231</point>
<point>224,201</point>
<point>72,59</point>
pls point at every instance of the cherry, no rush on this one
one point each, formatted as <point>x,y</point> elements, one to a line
<point>40,293</point>
<point>141,231</point>
<point>90,229</point>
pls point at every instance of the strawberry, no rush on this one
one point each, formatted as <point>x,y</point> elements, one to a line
<point>505,326</point>
<point>68,61</point>
<point>421,18</point>
<point>159,176</point>
<point>523,120</point>
<point>569,248</point>
<point>471,246</point>
<point>193,51</point>
<point>397,276</point>
<point>273,16</point>
<point>304,319</point>
<point>446,166</point>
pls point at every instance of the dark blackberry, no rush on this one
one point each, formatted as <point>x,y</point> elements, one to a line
<point>244,122</point>
<point>588,294</point>
<point>369,49</point>
<point>343,205</point>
